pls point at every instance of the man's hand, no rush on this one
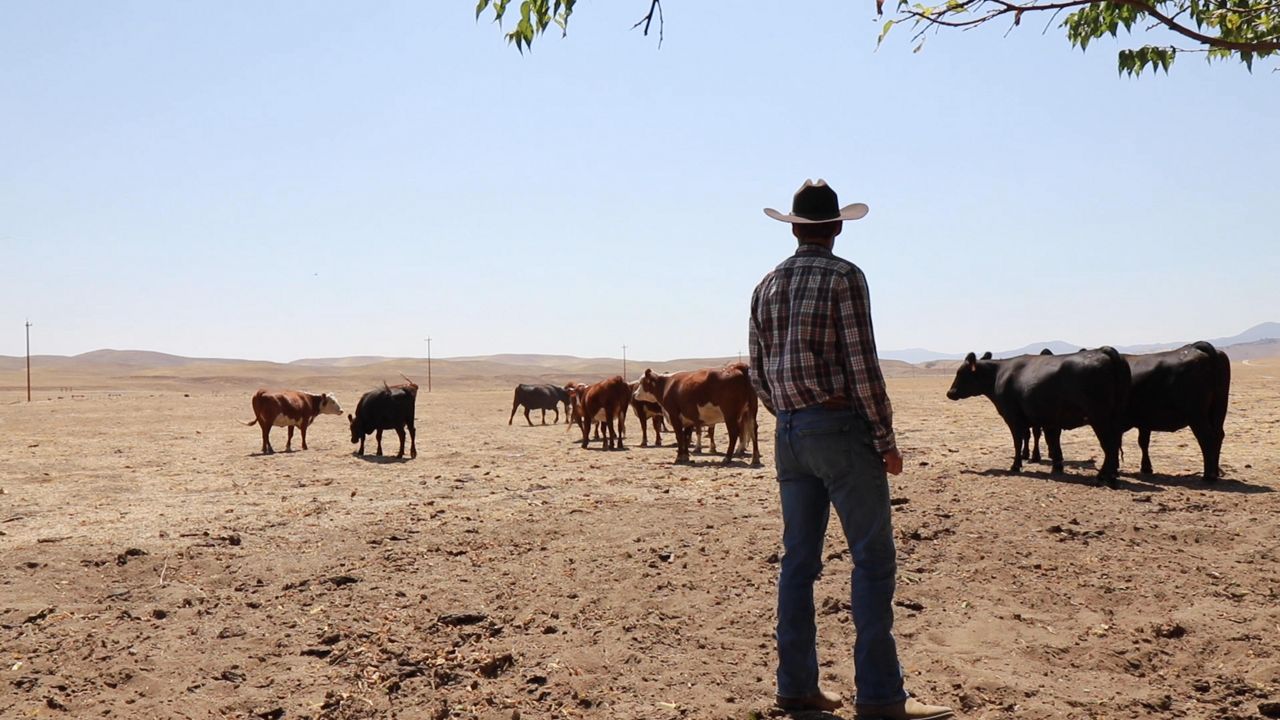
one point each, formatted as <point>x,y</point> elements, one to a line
<point>892,461</point>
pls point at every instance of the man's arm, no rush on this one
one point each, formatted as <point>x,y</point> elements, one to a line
<point>862,363</point>
<point>757,354</point>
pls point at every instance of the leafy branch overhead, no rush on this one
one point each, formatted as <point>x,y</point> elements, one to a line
<point>537,15</point>
<point>1244,30</point>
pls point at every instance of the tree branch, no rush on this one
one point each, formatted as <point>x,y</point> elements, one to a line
<point>939,16</point>
<point>647,20</point>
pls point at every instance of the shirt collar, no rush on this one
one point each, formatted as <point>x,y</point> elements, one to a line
<point>812,249</point>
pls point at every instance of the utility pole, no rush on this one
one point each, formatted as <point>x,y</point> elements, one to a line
<point>428,364</point>
<point>624,362</point>
<point>28,360</point>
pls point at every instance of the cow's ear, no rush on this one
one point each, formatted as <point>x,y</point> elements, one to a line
<point>986,355</point>
<point>971,361</point>
<point>648,372</point>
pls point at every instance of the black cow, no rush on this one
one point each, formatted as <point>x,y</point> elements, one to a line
<point>1056,392</point>
<point>1033,455</point>
<point>540,397</point>
<point>387,408</point>
<point>1187,387</point>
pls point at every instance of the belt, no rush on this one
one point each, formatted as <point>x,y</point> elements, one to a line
<point>835,404</point>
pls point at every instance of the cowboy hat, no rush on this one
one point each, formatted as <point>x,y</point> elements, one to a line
<point>816,202</point>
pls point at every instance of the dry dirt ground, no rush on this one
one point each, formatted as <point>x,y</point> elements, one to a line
<point>154,565</point>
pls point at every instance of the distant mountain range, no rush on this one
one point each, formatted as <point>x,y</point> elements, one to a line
<point>1258,341</point>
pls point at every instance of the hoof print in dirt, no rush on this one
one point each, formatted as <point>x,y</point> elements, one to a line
<point>1170,630</point>
<point>492,667</point>
<point>123,558</point>
<point>1270,709</point>
<point>340,580</point>
<point>456,619</point>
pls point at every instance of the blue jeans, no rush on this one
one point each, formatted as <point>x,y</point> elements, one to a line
<point>826,458</point>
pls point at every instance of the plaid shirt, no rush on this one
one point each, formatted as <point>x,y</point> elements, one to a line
<point>811,340</point>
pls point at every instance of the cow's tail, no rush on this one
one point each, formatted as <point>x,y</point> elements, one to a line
<point>1123,378</point>
<point>252,422</point>
<point>1221,382</point>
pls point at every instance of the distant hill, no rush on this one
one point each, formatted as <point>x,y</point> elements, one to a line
<point>354,361</point>
<point>112,369</point>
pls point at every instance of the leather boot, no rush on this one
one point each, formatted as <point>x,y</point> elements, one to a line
<point>823,701</point>
<point>910,709</point>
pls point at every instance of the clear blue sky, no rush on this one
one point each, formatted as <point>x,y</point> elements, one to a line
<point>289,179</point>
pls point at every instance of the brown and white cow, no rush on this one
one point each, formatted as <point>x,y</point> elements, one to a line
<point>648,413</point>
<point>289,408</point>
<point>711,428</point>
<point>604,403</point>
<point>705,397</point>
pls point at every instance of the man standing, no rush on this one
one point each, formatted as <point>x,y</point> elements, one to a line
<point>814,366</point>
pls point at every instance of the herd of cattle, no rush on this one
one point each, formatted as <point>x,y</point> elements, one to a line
<point>686,402</point>
<point>390,407</point>
<point>1111,393</point>
<point>1103,389</point>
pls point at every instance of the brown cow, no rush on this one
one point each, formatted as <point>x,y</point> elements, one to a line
<point>603,403</point>
<point>647,412</point>
<point>711,428</point>
<point>705,397</point>
<point>289,408</point>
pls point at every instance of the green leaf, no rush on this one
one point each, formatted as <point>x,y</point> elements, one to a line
<point>884,31</point>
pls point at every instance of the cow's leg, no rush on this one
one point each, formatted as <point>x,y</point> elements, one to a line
<point>288,443</point>
<point>731,428</point>
<point>1144,442</point>
<point>266,438</point>
<point>555,410</point>
<point>1210,439</point>
<point>684,437</point>
<point>303,429</point>
<point>711,437</point>
<point>378,434</point>
<point>1035,452</point>
<point>644,428</point>
<point>400,434</point>
<point>586,432</point>
<point>1053,438</point>
<point>413,441</point>
<point>544,416</point>
<point>698,431</point>
<point>1025,452</point>
<point>657,430</point>
<point>515,405</point>
<point>360,452</point>
<point>612,441</point>
<point>1017,433</point>
<point>1109,439</point>
<point>526,416</point>
<point>752,428</point>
